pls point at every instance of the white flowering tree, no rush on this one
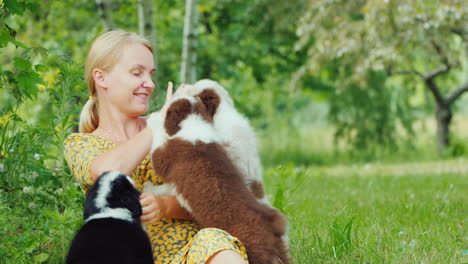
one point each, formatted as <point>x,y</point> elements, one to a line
<point>424,40</point>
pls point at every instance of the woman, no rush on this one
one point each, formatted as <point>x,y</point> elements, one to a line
<point>114,136</point>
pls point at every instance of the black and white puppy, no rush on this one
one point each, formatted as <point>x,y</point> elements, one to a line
<point>112,232</point>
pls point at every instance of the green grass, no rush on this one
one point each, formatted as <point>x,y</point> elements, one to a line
<point>374,218</point>
<point>314,144</point>
<point>336,215</point>
<point>35,229</point>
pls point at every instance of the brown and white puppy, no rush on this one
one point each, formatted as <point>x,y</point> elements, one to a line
<point>234,130</point>
<point>187,154</point>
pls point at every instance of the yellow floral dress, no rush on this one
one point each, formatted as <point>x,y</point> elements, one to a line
<point>173,240</point>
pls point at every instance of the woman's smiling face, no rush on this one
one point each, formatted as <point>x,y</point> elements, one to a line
<point>129,84</point>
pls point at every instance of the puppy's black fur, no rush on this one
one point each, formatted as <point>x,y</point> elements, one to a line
<point>111,238</point>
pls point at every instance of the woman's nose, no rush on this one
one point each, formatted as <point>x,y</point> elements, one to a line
<point>148,83</point>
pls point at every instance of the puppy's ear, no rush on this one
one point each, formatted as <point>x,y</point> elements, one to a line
<point>210,99</point>
<point>124,195</point>
<point>90,208</point>
<point>201,109</point>
<point>177,112</point>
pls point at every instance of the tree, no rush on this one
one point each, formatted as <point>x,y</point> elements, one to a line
<point>423,39</point>
<point>18,73</point>
<point>104,9</point>
<point>189,45</point>
<point>146,25</point>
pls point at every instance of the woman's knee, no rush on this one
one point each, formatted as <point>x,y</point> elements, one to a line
<point>226,257</point>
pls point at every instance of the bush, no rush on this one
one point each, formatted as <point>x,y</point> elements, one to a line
<point>41,206</point>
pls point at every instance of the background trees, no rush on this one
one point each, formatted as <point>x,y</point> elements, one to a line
<point>424,39</point>
<point>337,88</point>
<point>374,68</point>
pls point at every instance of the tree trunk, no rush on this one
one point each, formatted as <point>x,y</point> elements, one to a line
<point>189,44</point>
<point>150,28</point>
<point>104,9</point>
<point>145,18</point>
<point>147,28</point>
<point>443,118</point>
<point>443,113</point>
<point>141,18</point>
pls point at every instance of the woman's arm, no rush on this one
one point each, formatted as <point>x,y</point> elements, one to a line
<point>156,207</point>
<point>124,158</point>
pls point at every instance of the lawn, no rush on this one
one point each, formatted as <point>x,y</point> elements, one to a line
<point>367,214</point>
<point>363,218</point>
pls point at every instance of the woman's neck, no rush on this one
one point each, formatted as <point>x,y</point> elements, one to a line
<point>118,127</point>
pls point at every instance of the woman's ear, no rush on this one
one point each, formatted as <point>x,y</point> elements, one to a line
<point>99,78</point>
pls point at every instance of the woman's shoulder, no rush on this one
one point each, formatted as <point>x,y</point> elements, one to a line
<point>78,137</point>
<point>83,138</point>
<point>86,144</point>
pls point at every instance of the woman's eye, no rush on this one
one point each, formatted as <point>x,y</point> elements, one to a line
<point>136,74</point>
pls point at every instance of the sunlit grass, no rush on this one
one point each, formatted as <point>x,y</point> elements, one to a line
<point>372,219</point>
<point>359,217</point>
<point>314,145</point>
<point>308,146</point>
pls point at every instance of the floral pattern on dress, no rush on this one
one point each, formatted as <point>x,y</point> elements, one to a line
<point>174,241</point>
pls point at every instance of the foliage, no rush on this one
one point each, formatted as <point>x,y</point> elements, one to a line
<point>423,39</point>
<point>385,35</point>
<point>35,180</point>
<point>40,203</point>
<point>20,77</point>
<point>366,117</point>
<point>247,46</point>
<point>38,223</point>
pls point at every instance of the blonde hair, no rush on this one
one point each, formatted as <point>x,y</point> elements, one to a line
<point>103,54</point>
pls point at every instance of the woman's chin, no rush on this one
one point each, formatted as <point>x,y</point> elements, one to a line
<point>139,111</point>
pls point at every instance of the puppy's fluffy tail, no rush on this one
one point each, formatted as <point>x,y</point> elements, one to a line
<point>279,223</point>
<point>275,219</point>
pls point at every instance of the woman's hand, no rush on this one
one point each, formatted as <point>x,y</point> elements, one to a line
<point>169,94</point>
<point>154,208</point>
<point>185,90</point>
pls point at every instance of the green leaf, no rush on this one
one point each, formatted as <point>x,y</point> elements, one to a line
<point>18,44</point>
<point>27,83</point>
<point>30,249</point>
<point>40,51</point>
<point>14,7</point>
<point>5,37</point>
<point>22,64</point>
<point>41,257</point>
<point>33,7</point>
<point>41,68</point>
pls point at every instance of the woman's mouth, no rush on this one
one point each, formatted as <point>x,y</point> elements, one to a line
<point>142,97</point>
